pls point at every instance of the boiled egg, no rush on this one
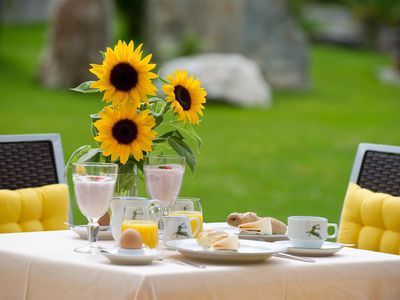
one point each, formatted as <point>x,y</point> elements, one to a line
<point>131,239</point>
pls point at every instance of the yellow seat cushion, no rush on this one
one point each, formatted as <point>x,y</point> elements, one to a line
<point>34,209</point>
<point>370,220</point>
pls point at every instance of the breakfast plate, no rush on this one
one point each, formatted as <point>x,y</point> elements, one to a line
<point>327,249</point>
<point>120,256</point>
<point>249,251</point>
<point>81,231</point>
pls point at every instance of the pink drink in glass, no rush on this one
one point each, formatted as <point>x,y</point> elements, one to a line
<point>164,182</point>
<point>94,186</point>
<point>93,194</point>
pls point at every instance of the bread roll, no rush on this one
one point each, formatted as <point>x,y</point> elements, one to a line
<point>278,227</point>
<point>235,219</point>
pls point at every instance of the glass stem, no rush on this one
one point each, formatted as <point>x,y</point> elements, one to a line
<point>93,232</point>
<point>134,191</point>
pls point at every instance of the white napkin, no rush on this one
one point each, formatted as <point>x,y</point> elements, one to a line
<point>229,243</point>
<point>262,226</point>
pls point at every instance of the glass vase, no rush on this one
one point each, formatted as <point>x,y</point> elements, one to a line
<point>127,181</point>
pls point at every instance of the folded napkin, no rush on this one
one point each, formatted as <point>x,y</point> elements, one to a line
<point>262,226</point>
<point>229,243</point>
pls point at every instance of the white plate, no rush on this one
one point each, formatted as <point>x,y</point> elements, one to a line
<point>327,249</point>
<point>249,251</point>
<point>104,232</point>
<point>246,236</point>
<point>132,257</point>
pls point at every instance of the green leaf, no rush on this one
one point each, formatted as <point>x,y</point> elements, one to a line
<point>167,134</point>
<point>190,132</point>
<point>75,156</point>
<point>184,150</point>
<point>155,99</point>
<point>176,141</point>
<point>140,165</point>
<point>93,155</point>
<point>94,130</point>
<point>103,54</point>
<point>161,147</point>
<point>157,111</point>
<point>94,118</point>
<point>84,153</point>
<point>159,140</point>
<point>162,78</point>
<point>173,133</point>
<point>85,88</point>
<point>159,119</point>
<point>159,107</point>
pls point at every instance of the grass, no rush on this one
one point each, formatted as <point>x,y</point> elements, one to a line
<point>292,159</point>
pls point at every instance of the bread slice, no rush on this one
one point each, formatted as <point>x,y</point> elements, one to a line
<point>209,237</point>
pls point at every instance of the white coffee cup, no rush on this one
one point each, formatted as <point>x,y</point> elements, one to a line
<point>178,227</point>
<point>308,231</point>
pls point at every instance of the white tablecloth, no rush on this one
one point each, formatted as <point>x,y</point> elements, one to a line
<point>43,265</point>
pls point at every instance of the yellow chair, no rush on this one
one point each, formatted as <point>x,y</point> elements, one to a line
<point>371,210</point>
<point>33,195</point>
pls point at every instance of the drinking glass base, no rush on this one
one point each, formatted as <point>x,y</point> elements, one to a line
<point>88,249</point>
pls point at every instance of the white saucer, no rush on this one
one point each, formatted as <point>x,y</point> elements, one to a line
<point>131,257</point>
<point>327,249</point>
<point>104,232</point>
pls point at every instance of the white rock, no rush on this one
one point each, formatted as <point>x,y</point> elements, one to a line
<point>228,77</point>
<point>334,23</point>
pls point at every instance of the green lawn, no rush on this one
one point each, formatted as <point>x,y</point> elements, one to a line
<point>292,159</point>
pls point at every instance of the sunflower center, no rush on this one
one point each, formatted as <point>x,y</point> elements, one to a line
<point>124,77</point>
<point>125,131</point>
<point>183,97</point>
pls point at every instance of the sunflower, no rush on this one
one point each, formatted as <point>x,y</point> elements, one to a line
<point>124,75</point>
<point>123,131</point>
<point>186,96</point>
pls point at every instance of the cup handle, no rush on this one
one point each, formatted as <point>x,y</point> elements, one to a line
<point>333,235</point>
<point>198,225</point>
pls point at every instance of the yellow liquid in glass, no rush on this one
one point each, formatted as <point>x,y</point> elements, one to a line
<point>190,214</point>
<point>147,229</point>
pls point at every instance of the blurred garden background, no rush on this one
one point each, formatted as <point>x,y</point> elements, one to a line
<point>327,79</point>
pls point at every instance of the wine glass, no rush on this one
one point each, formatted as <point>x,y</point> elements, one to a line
<point>94,187</point>
<point>163,176</point>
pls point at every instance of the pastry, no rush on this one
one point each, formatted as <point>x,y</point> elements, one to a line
<point>261,226</point>
<point>235,219</point>
<point>209,237</point>
<point>218,240</point>
<point>229,243</point>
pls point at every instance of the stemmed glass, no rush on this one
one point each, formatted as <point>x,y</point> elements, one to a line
<point>94,187</point>
<point>163,176</point>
